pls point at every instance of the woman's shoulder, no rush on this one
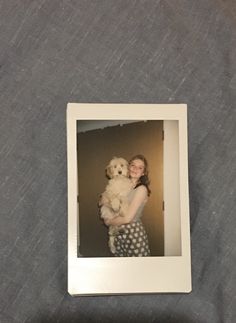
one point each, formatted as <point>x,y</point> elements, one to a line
<point>142,189</point>
<point>141,194</point>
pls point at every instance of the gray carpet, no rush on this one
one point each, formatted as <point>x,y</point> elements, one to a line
<point>54,52</point>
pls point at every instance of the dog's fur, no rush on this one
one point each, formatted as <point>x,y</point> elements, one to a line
<point>113,201</point>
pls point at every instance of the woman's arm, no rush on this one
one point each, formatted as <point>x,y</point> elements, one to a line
<point>140,197</point>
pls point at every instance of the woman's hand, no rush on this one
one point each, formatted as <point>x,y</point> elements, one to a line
<point>107,222</point>
<point>118,220</point>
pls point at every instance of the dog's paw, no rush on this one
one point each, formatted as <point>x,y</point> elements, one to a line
<point>112,244</point>
<point>115,204</point>
<point>113,249</point>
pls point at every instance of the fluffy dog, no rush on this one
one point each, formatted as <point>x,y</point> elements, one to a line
<point>114,201</point>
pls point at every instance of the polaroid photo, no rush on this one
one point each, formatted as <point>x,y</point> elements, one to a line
<point>128,199</point>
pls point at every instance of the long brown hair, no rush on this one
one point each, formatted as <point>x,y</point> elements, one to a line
<point>144,179</point>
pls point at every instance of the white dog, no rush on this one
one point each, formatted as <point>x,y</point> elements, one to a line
<point>114,200</point>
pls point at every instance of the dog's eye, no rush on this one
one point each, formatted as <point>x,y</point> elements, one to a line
<point>115,166</point>
<point>121,165</point>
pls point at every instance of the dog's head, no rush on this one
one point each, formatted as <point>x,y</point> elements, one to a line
<point>117,167</point>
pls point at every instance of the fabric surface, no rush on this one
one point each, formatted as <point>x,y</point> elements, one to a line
<point>55,52</point>
<point>132,241</point>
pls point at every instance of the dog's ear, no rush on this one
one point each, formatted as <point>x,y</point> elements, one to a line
<point>108,172</point>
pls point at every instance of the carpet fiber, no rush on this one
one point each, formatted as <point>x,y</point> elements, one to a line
<point>54,52</point>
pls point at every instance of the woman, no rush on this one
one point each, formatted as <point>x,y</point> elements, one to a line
<point>132,241</point>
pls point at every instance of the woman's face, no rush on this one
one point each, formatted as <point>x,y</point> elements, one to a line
<point>136,168</point>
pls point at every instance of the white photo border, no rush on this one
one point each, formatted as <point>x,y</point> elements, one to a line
<point>127,275</point>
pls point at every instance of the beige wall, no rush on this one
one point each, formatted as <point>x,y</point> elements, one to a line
<point>172,223</point>
<point>95,149</point>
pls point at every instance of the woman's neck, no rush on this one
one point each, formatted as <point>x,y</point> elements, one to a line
<point>134,181</point>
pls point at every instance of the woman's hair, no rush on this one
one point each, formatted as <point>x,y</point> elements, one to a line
<point>143,180</point>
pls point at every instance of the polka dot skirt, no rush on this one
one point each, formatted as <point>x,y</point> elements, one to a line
<point>132,241</point>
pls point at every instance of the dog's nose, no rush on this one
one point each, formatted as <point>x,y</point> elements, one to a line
<point>120,172</point>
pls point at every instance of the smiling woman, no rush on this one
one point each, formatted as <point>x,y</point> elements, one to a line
<point>136,168</point>
<point>131,239</point>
